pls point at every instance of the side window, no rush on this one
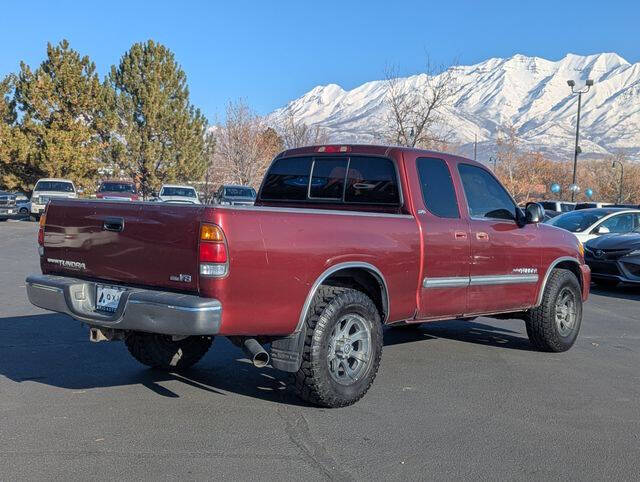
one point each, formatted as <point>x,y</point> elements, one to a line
<point>437,187</point>
<point>567,207</point>
<point>372,180</point>
<point>288,179</point>
<point>486,197</point>
<point>327,178</point>
<point>549,205</point>
<point>622,223</point>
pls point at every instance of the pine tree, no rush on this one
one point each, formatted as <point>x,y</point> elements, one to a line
<point>161,135</point>
<point>65,120</point>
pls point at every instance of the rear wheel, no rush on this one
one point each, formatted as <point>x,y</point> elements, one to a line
<point>554,325</point>
<point>165,353</point>
<point>342,349</point>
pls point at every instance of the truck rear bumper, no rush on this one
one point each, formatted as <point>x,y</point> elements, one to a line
<point>139,309</point>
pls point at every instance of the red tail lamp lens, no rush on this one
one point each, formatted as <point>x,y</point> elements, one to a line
<point>213,253</point>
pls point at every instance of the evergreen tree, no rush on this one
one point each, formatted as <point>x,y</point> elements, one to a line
<point>161,135</point>
<point>65,120</point>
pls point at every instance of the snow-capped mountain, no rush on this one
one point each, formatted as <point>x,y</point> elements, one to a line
<point>528,93</point>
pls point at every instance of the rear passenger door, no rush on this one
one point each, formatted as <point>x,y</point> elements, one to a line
<point>445,242</point>
<point>505,256</point>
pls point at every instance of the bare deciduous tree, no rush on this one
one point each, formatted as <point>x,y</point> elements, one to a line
<point>414,110</point>
<point>296,133</point>
<point>244,145</point>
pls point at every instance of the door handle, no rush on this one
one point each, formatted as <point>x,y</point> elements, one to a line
<point>113,224</point>
<point>482,236</point>
<point>460,235</point>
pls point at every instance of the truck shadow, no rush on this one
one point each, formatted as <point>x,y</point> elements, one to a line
<point>51,349</point>
<point>624,292</point>
<point>460,330</point>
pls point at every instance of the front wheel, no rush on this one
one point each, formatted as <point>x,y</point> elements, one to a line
<point>554,325</point>
<point>342,349</point>
<point>166,353</point>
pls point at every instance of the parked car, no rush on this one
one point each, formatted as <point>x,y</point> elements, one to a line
<point>549,214</point>
<point>117,191</point>
<point>179,194</point>
<point>591,205</point>
<point>559,206</point>
<point>232,195</point>
<point>614,258</point>
<point>587,224</point>
<point>8,208</point>
<point>333,249</point>
<point>47,189</point>
<point>24,208</point>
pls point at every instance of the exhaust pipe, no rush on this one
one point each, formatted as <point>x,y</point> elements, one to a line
<point>256,353</point>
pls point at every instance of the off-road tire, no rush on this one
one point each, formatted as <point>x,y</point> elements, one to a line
<point>313,381</point>
<point>606,283</point>
<point>542,328</point>
<point>164,353</point>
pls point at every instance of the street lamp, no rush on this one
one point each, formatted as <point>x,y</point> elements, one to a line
<point>584,90</point>
<point>613,164</point>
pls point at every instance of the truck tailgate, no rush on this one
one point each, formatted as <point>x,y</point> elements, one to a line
<point>152,244</point>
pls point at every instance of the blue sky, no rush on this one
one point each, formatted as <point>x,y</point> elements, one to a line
<point>269,52</point>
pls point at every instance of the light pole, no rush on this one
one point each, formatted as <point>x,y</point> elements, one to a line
<point>572,84</point>
<point>613,164</point>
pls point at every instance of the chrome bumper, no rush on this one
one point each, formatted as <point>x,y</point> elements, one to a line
<point>139,309</point>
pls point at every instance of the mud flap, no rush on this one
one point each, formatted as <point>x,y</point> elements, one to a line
<point>286,352</point>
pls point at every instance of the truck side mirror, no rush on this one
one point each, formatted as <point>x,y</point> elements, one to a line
<point>534,213</point>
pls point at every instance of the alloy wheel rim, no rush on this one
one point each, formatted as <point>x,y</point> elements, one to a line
<point>566,313</point>
<point>349,350</point>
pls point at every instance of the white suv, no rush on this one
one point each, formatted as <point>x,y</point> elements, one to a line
<point>178,194</point>
<point>46,189</point>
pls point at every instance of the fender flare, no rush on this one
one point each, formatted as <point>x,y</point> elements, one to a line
<point>551,267</point>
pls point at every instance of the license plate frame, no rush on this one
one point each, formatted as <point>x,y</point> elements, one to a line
<point>108,297</point>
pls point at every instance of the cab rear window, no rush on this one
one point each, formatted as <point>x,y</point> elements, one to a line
<point>349,180</point>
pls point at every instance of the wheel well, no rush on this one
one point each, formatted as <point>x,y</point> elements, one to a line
<point>365,280</point>
<point>573,267</point>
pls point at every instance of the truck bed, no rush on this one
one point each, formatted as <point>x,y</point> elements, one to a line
<point>275,254</point>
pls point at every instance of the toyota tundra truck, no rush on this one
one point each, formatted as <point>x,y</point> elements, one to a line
<point>342,240</point>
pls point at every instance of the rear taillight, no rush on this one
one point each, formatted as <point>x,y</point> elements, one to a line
<point>212,252</point>
<point>43,221</point>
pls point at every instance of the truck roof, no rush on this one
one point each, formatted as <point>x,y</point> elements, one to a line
<point>54,179</point>
<point>184,186</point>
<point>369,149</point>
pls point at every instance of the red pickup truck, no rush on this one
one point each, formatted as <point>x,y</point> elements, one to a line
<point>341,241</point>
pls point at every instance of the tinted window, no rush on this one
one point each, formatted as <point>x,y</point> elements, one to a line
<point>327,179</point>
<point>59,186</point>
<point>372,180</point>
<point>549,205</point>
<point>287,179</point>
<point>578,221</point>
<point>437,188</point>
<point>486,197</point>
<point>240,192</point>
<point>566,207</point>
<point>178,191</point>
<point>117,187</point>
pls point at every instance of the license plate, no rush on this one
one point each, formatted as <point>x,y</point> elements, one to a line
<point>108,298</point>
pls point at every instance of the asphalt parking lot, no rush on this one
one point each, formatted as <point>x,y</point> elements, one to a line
<point>452,400</point>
